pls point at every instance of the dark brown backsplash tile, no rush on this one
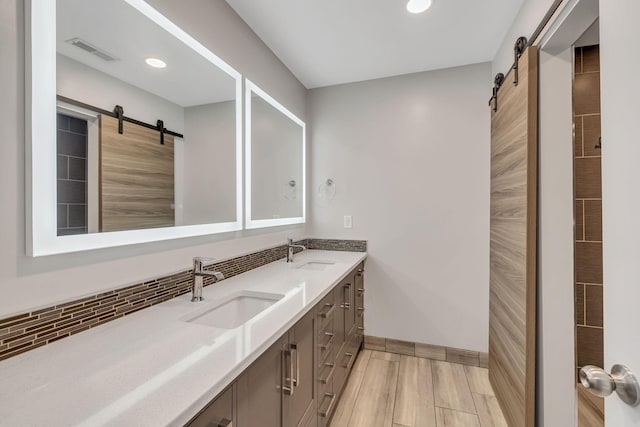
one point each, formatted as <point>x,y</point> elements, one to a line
<point>579,220</point>
<point>577,136</point>
<point>588,178</point>
<point>579,294</point>
<point>590,59</point>
<point>337,245</point>
<point>593,220</point>
<point>589,346</point>
<point>589,262</point>
<point>13,320</point>
<point>586,94</point>
<point>591,135</point>
<point>593,306</point>
<point>27,331</point>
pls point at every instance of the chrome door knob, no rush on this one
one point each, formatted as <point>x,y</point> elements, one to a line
<point>621,380</point>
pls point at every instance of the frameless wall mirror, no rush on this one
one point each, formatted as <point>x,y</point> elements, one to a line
<point>275,162</point>
<point>135,129</point>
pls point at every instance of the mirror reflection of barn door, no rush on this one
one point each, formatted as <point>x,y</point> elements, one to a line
<point>512,319</point>
<point>136,177</point>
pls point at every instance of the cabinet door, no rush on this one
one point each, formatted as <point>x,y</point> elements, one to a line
<point>299,404</point>
<point>259,396</point>
<point>219,413</point>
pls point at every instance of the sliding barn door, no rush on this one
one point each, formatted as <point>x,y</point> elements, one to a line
<point>136,177</point>
<point>512,319</point>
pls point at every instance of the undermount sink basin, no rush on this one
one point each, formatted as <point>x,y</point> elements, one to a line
<point>316,265</point>
<point>235,310</point>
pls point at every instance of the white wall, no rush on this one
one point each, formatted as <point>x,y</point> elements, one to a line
<point>27,283</point>
<point>410,156</point>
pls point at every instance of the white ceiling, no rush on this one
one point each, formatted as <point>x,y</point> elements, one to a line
<point>328,42</point>
<point>120,30</point>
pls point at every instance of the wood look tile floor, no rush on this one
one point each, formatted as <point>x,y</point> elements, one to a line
<point>392,390</point>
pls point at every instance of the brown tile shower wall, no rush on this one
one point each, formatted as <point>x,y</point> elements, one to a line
<point>588,195</point>
<point>30,330</point>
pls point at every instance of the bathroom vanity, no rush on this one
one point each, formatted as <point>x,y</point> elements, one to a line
<point>269,347</point>
<point>298,380</point>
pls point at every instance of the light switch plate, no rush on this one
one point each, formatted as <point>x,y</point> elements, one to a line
<point>348,221</point>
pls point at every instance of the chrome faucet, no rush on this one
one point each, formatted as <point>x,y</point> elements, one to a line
<point>198,276</point>
<point>290,247</point>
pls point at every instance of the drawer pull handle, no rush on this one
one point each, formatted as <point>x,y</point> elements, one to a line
<point>326,412</point>
<point>350,356</point>
<point>331,335</point>
<point>327,313</point>
<point>361,290</point>
<point>330,374</point>
<point>361,328</point>
<point>360,308</point>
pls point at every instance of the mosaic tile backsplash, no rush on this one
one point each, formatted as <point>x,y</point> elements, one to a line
<point>30,330</point>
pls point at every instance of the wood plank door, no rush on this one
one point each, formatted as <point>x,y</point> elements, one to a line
<point>136,177</point>
<point>512,301</point>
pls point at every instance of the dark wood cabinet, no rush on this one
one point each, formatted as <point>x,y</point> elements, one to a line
<point>298,380</point>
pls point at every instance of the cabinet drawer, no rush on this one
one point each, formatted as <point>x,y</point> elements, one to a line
<point>326,371</point>
<point>326,349</point>
<point>327,401</point>
<point>350,351</point>
<point>325,310</point>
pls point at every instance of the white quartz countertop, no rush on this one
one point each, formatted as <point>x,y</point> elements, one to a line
<point>154,367</point>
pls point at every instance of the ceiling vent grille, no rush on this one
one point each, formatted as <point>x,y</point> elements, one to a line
<point>88,47</point>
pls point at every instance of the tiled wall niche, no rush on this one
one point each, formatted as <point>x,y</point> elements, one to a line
<point>26,331</point>
<point>72,146</point>
<point>588,199</point>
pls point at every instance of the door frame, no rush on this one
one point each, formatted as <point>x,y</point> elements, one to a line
<point>556,372</point>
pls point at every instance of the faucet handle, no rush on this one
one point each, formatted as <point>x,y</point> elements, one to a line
<point>198,262</point>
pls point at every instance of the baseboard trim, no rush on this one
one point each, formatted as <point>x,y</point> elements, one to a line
<point>427,351</point>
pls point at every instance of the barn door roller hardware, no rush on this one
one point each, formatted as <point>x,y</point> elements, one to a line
<point>518,50</point>
<point>161,129</point>
<point>497,82</point>
<point>118,113</point>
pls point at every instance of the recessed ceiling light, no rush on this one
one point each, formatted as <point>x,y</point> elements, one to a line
<point>418,6</point>
<point>155,62</point>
